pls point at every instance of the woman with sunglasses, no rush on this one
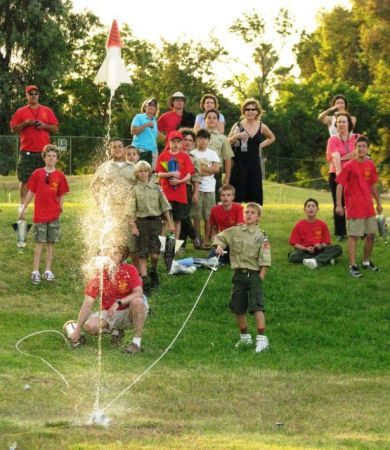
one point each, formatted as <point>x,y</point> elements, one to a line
<point>246,138</point>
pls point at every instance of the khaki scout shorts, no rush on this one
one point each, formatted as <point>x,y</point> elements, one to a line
<point>247,294</point>
<point>360,227</point>
<point>27,163</point>
<point>47,232</point>
<point>202,209</point>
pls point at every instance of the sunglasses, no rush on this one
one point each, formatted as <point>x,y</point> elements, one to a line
<point>250,109</point>
<point>33,93</point>
<point>47,178</point>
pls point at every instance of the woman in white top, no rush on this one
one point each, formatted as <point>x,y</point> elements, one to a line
<point>339,105</point>
<point>209,101</point>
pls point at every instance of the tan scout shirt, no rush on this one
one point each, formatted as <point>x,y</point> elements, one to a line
<point>112,185</point>
<point>195,177</point>
<point>220,144</point>
<point>149,200</point>
<point>248,247</point>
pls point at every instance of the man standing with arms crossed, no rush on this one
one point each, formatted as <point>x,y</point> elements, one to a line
<point>34,123</point>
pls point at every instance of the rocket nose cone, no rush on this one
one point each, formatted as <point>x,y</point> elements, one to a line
<point>114,38</point>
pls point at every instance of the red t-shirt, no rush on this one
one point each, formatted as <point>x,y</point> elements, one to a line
<point>225,219</point>
<point>184,165</point>
<point>168,122</point>
<point>46,203</point>
<point>357,179</point>
<point>33,139</point>
<point>120,285</point>
<point>309,233</point>
<point>335,144</point>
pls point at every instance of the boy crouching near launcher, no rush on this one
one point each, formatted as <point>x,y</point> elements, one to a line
<point>123,304</point>
<point>250,255</point>
<point>49,187</point>
<point>151,206</point>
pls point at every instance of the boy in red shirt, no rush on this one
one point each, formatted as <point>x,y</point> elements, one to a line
<point>49,186</point>
<point>311,240</point>
<point>174,168</point>
<point>122,302</point>
<point>358,180</point>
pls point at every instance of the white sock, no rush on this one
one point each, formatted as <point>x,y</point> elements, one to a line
<point>366,263</point>
<point>244,337</point>
<point>137,341</point>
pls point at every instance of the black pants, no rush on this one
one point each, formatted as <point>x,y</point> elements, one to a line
<point>340,228</point>
<point>247,180</point>
<point>187,228</point>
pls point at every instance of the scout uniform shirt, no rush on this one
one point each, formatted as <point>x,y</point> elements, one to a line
<point>150,200</point>
<point>248,247</point>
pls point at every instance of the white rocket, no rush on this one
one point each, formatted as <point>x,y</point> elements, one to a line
<point>113,71</point>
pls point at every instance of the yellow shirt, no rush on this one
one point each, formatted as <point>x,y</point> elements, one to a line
<point>248,247</point>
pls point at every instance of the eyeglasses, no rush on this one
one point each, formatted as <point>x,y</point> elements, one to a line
<point>47,178</point>
<point>250,109</point>
<point>33,93</point>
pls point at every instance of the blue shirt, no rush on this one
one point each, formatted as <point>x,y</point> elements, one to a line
<point>147,139</point>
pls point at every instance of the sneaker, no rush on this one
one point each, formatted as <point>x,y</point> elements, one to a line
<point>35,277</point>
<point>117,337</point>
<point>261,343</point>
<point>354,271</point>
<point>132,348</point>
<point>245,340</point>
<point>197,243</point>
<point>370,266</point>
<point>48,275</point>
<point>341,238</point>
<point>154,280</point>
<point>332,262</point>
<point>311,263</point>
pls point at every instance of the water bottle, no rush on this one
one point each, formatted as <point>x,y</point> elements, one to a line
<point>244,145</point>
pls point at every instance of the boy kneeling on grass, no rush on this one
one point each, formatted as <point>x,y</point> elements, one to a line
<point>250,255</point>
<point>123,304</point>
<point>311,240</point>
<point>49,186</point>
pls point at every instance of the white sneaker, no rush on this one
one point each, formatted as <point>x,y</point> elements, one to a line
<point>261,343</point>
<point>311,263</point>
<point>35,277</point>
<point>245,340</point>
<point>48,275</point>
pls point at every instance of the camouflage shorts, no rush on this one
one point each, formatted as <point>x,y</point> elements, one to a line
<point>27,163</point>
<point>47,232</point>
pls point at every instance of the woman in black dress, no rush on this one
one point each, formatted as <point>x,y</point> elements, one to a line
<point>246,138</point>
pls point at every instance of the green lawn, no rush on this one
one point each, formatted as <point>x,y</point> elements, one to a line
<point>325,378</point>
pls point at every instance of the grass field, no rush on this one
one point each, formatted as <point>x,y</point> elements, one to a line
<point>324,383</point>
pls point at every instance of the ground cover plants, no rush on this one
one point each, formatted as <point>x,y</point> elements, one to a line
<point>323,383</point>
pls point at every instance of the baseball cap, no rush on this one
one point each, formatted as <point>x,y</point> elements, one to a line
<point>175,135</point>
<point>178,95</point>
<point>32,87</point>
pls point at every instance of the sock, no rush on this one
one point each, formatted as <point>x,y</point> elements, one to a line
<point>137,341</point>
<point>245,336</point>
<point>366,263</point>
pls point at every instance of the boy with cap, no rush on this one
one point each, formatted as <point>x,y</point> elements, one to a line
<point>174,168</point>
<point>34,123</point>
<point>250,255</point>
<point>49,187</point>
<point>358,180</point>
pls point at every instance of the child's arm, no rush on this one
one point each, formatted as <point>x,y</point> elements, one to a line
<point>211,170</point>
<point>309,249</point>
<point>375,194</point>
<point>168,218</point>
<point>195,194</point>
<point>339,200</point>
<point>228,171</point>
<point>169,174</point>
<point>175,181</point>
<point>61,200</point>
<point>83,316</point>
<point>262,272</point>
<point>27,200</point>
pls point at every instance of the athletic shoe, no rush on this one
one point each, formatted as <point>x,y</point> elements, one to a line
<point>48,276</point>
<point>311,263</point>
<point>154,280</point>
<point>341,238</point>
<point>354,271</point>
<point>35,277</point>
<point>132,348</point>
<point>332,262</point>
<point>117,337</point>
<point>370,266</point>
<point>261,343</point>
<point>245,341</point>
<point>197,243</point>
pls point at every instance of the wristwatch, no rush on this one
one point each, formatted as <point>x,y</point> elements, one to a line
<point>119,302</point>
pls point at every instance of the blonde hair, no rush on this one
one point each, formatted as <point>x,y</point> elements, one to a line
<point>50,148</point>
<point>141,165</point>
<point>251,101</point>
<point>256,207</point>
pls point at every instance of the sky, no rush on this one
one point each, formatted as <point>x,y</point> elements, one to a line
<point>174,19</point>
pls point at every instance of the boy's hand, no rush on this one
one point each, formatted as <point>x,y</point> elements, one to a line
<point>75,336</point>
<point>195,198</point>
<point>21,214</point>
<point>111,311</point>
<point>134,230</point>
<point>319,246</point>
<point>175,174</point>
<point>219,250</point>
<point>171,227</point>
<point>174,181</point>
<point>310,249</point>
<point>379,209</point>
<point>339,210</point>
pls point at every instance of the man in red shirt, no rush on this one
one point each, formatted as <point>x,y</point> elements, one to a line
<point>34,123</point>
<point>49,186</point>
<point>358,180</point>
<point>176,118</point>
<point>174,169</point>
<point>311,240</point>
<point>123,304</point>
